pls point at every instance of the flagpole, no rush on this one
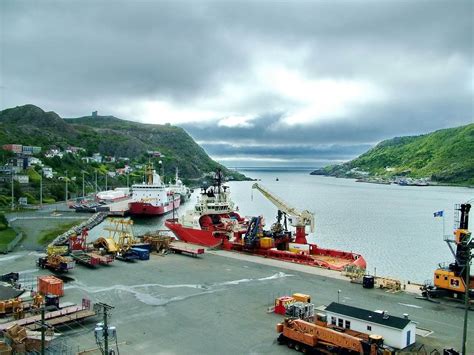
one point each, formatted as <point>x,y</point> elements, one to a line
<point>443,226</point>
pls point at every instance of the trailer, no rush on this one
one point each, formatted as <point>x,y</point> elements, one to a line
<point>85,259</point>
<point>185,248</point>
<point>56,263</point>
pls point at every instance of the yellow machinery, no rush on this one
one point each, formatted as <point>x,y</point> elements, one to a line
<point>450,280</point>
<point>120,239</point>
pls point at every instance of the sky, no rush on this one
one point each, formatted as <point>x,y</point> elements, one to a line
<point>256,83</point>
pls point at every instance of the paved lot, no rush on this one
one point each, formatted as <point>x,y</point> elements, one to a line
<point>215,304</point>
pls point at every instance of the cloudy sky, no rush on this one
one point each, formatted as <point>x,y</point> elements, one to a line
<point>256,83</point>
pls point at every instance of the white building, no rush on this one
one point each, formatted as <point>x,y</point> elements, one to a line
<point>97,157</point>
<point>34,161</point>
<point>22,179</point>
<point>48,172</point>
<point>397,332</point>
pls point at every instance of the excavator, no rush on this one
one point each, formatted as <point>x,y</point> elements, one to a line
<point>296,218</point>
<point>450,280</point>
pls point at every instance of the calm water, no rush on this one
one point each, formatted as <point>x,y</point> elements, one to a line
<point>391,226</point>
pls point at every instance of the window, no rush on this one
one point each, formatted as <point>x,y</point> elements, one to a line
<point>340,322</point>
<point>348,324</point>
<point>369,327</point>
<point>333,320</point>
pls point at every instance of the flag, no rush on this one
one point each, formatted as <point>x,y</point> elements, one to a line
<point>438,214</point>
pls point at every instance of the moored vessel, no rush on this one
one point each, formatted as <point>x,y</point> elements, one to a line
<point>215,222</point>
<point>152,197</point>
<point>178,187</point>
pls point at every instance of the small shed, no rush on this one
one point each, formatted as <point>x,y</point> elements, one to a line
<point>397,332</point>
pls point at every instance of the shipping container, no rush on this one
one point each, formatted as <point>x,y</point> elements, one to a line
<point>142,254</point>
<point>50,285</point>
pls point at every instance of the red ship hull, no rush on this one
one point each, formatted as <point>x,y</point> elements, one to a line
<point>147,209</point>
<point>325,258</point>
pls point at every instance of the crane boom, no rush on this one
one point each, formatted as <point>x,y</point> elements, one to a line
<point>303,218</point>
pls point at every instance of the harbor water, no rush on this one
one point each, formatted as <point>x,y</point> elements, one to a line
<point>392,226</point>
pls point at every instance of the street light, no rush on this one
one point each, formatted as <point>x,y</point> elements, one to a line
<point>338,293</point>
<point>41,188</point>
<point>66,189</point>
<point>83,194</point>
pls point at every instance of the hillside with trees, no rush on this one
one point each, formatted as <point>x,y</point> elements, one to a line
<point>445,156</point>
<point>121,142</point>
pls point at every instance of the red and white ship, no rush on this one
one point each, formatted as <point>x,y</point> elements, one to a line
<point>214,222</point>
<point>152,197</point>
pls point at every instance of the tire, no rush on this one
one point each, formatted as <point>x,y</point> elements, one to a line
<point>290,344</point>
<point>281,339</point>
<point>298,347</point>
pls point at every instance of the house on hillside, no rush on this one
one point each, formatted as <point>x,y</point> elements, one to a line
<point>15,148</point>
<point>48,172</point>
<point>397,332</point>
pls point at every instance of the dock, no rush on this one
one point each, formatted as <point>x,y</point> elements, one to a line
<point>62,316</point>
<point>186,248</point>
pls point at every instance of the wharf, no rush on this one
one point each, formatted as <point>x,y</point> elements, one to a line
<point>224,293</point>
<point>118,208</point>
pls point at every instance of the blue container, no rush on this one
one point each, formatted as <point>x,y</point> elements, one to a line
<point>142,254</point>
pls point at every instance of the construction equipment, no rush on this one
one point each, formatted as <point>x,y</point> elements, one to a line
<point>120,240</point>
<point>296,218</point>
<point>450,280</point>
<point>306,337</point>
<point>56,263</point>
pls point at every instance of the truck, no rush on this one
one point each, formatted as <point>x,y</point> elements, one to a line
<point>310,337</point>
<point>56,263</point>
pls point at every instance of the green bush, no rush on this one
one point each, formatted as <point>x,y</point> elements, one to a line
<point>3,222</point>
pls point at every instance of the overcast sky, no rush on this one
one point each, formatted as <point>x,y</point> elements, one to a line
<point>288,83</point>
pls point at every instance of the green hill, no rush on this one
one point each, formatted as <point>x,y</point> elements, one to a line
<point>445,156</point>
<point>108,135</point>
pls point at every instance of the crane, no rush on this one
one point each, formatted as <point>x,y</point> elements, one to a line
<point>298,219</point>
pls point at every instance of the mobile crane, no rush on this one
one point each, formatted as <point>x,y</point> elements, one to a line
<point>309,337</point>
<point>296,218</point>
<point>451,280</point>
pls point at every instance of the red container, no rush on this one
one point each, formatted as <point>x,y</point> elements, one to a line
<point>50,285</point>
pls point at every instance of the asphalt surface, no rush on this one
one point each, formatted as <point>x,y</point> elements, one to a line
<point>214,304</point>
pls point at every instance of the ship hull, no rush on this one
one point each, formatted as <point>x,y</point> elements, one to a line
<point>193,236</point>
<point>148,209</point>
<point>325,258</point>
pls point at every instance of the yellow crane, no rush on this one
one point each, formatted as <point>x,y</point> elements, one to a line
<point>298,219</point>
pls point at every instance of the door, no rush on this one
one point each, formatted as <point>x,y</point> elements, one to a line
<point>408,337</point>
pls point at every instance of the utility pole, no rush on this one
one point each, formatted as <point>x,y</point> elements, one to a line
<point>13,195</point>
<point>127,178</point>
<point>43,328</point>
<point>106,173</point>
<point>41,189</point>
<point>83,195</point>
<point>66,188</point>
<point>96,181</point>
<point>105,308</point>
<point>467,285</point>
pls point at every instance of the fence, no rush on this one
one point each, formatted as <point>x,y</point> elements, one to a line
<point>6,248</point>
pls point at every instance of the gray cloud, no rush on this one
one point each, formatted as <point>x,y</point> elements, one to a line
<point>204,56</point>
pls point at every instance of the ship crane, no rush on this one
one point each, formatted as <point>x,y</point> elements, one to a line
<point>298,219</point>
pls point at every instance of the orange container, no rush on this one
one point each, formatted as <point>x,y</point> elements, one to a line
<point>50,285</point>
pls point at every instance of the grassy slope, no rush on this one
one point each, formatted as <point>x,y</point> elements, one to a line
<point>445,156</point>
